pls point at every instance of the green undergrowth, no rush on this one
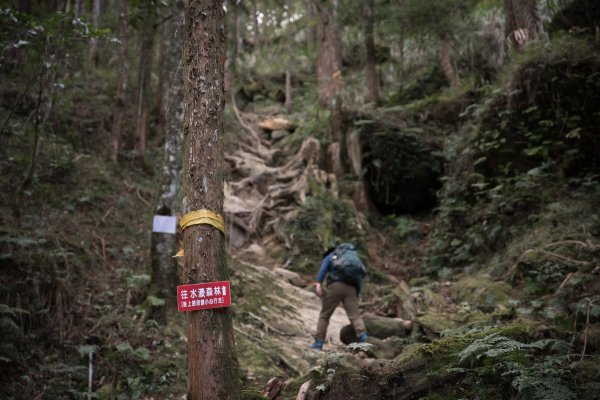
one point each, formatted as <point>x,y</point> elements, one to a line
<point>75,278</point>
<point>510,361</point>
<point>528,157</point>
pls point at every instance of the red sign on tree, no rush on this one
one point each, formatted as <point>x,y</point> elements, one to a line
<point>202,296</point>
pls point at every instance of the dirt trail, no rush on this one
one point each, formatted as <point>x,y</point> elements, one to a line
<point>276,319</point>
<point>275,322</point>
<point>309,307</point>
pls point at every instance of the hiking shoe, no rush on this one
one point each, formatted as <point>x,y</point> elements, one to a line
<point>317,345</point>
<point>363,337</point>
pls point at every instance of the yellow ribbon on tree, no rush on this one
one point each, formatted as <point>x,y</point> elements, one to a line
<point>203,217</point>
<point>198,217</point>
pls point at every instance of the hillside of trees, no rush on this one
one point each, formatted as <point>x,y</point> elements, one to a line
<point>455,143</point>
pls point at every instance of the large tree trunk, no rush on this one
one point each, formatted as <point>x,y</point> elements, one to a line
<point>371,71</point>
<point>330,82</point>
<point>522,22</point>
<point>446,62</point>
<point>328,55</point>
<point>164,266</point>
<point>143,100</point>
<point>212,362</point>
<point>122,82</point>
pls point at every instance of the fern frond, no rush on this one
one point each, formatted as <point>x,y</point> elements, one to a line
<point>494,347</point>
<point>554,345</point>
<point>535,386</point>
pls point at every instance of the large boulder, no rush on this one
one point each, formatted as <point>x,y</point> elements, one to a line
<point>378,327</point>
<point>386,349</point>
<point>482,291</point>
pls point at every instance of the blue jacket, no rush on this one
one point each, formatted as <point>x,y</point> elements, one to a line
<point>327,269</point>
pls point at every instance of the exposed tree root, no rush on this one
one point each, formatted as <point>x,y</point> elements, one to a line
<point>266,194</point>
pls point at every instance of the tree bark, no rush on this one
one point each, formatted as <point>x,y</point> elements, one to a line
<point>212,363</point>
<point>144,73</point>
<point>522,22</point>
<point>122,83</point>
<point>371,71</point>
<point>164,246</point>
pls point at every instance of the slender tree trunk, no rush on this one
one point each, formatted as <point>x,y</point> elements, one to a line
<point>446,62</point>
<point>239,36</point>
<point>255,25</point>
<point>78,8</point>
<point>95,24</point>
<point>145,70</point>
<point>288,72</point>
<point>212,362</point>
<point>371,71</point>
<point>164,266</point>
<point>311,26</point>
<point>233,45</point>
<point>522,22</point>
<point>402,57</point>
<point>122,83</point>
<point>164,65</point>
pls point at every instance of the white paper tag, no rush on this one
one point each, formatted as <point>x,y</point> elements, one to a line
<point>164,224</point>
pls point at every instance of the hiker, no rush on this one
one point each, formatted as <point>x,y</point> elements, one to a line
<point>344,271</point>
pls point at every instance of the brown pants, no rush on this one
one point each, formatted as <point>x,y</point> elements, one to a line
<point>339,292</point>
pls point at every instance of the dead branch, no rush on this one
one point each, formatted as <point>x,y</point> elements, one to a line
<point>303,391</point>
<point>587,245</point>
<point>253,133</point>
<point>137,191</point>
<point>587,327</point>
<point>511,271</point>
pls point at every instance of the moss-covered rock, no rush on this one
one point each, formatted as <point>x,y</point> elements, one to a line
<point>379,327</point>
<point>482,291</point>
<point>322,222</point>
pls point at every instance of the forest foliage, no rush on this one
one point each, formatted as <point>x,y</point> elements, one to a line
<point>478,189</point>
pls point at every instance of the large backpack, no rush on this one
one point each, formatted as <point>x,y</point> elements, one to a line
<point>347,265</point>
